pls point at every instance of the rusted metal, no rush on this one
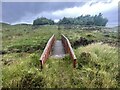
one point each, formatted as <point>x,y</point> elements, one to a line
<point>47,50</point>
<point>68,49</point>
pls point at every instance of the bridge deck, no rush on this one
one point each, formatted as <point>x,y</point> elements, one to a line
<point>58,50</point>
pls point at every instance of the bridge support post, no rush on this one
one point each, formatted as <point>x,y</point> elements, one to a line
<point>41,66</point>
<point>74,63</point>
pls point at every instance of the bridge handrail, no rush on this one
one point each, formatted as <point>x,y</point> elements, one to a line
<point>47,50</point>
<point>68,49</point>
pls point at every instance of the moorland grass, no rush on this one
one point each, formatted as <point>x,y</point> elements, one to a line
<point>97,64</point>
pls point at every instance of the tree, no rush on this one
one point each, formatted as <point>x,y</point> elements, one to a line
<point>43,21</point>
<point>65,21</point>
<point>96,20</point>
<point>99,20</point>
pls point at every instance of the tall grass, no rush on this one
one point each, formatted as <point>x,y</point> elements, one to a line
<point>100,63</point>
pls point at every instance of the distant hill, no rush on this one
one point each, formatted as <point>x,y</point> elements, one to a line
<point>23,24</point>
<point>3,24</point>
<point>6,24</point>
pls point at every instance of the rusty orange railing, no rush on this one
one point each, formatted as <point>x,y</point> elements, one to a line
<point>68,49</point>
<point>47,51</point>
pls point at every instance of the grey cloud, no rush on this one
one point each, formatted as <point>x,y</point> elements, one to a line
<point>112,16</point>
<point>27,11</point>
<point>14,11</point>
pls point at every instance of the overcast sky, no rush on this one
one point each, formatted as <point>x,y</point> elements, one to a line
<point>26,12</point>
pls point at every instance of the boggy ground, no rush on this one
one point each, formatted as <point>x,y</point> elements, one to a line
<point>97,63</point>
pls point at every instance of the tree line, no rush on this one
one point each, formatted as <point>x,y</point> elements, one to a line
<point>96,20</point>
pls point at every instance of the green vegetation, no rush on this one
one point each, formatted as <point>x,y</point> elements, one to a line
<point>97,63</point>
<point>43,21</point>
<point>96,20</point>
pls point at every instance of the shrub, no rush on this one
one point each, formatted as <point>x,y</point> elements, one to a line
<point>84,59</point>
<point>32,80</point>
<point>100,63</point>
<point>89,35</point>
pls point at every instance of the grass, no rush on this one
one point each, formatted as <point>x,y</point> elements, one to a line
<point>101,62</point>
<point>97,64</point>
<point>98,71</point>
<point>19,38</point>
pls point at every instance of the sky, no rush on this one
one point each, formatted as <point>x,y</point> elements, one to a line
<point>26,12</point>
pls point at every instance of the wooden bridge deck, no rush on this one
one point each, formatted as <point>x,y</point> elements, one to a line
<point>58,50</point>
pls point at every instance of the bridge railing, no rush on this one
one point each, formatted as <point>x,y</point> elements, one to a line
<point>47,50</point>
<point>68,49</point>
